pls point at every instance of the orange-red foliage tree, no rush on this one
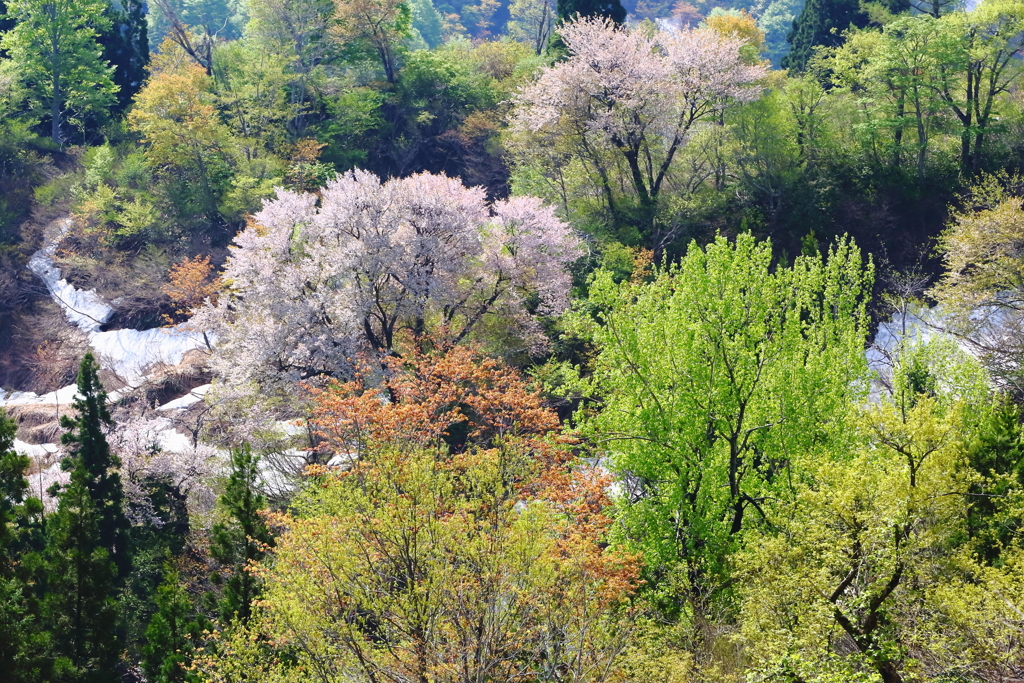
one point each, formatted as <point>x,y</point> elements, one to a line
<point>461,539</point>
<point>190,284</point>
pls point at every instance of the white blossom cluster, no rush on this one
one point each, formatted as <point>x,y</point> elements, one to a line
<point>315,280</point>
<point>149,449</point>
<point>625,88</point>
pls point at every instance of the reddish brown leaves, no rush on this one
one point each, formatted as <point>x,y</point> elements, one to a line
<point>190,283</point>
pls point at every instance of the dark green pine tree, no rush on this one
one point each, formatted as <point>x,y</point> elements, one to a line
<point>87,550</point>
<point>172,635</point>
<point>997,454</point>
<point>80,607</point>
<point>90,457</point>
<point>243,539</point>
<point>22,642</point>
<point>126,47</point>
<point>613,9</point>
<point>822,22</point>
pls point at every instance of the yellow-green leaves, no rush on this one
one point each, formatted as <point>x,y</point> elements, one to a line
<point>841,582</point>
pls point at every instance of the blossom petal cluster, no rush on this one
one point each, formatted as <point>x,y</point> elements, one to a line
<point>622,85</point>
<point>316,280</point>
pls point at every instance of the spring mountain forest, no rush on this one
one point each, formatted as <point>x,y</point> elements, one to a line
<point>511,341</point>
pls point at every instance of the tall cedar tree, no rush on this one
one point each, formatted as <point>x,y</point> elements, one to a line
<point>87,545</point>
<point>997,454</point>
<point>172,634</point>
<point>125,45</point>
<point>22,642</point>
<point>822,22</point>
<point>79,606</point>
<point>91,454</point>
<point>244,539</point>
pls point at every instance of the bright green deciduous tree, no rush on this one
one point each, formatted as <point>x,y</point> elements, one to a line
<point>712,383</point>
<point>978,60</point>
<point>892,73</point>
<point>244,539</point>
<point>54,43</point>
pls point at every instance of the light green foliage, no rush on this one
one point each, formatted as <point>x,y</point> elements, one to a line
<point>187,144</point>
<point>291,35</point>
<point>773,140</point>
<point>981,288</point>
<point>251,90</point>
<point>442,86</point>
<point>113,200</point>
<point>865,553</point>
<point>892,74</point>
<point>978,52</point>
<point>532,22</point>
<point>714,383</point>
<point>226,18</point>
<point>355,116</point>
<point>920,76</point>
<point>414,564</point>
<point>54,46</point>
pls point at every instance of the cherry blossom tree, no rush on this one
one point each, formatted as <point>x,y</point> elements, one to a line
<point>627,98</point>
<point>313,282</point>
<point>146,456</point>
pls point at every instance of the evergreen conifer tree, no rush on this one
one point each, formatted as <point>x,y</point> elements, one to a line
<point>172,634</point>
<point>21,640</point>
<point>87,549</point>
<point>242,540</point>
<point>90,454</point>
<point>997,455</point>
<point>13,487</point>
<point>79,606</point>
<point>822,22</point>
<point>126,47</point>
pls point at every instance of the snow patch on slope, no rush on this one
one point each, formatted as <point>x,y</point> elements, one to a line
<point>63,396</point>
<point>128,353</point>
<point>188,400</point>
<point>132,353</point>
<point>84,309</point>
